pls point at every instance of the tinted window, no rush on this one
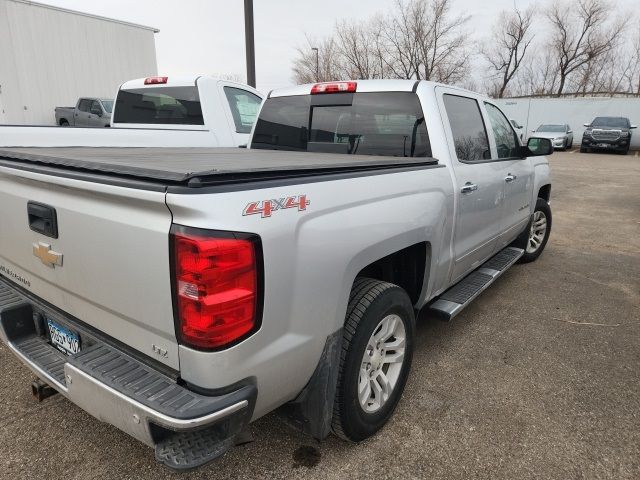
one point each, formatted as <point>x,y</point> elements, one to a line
<point>159,105</point>
<point>469,133</point>
<point>507,143</point>
<point>388,123</point>
<point>611,122</point>
<point>244,108</point>
<point>108,105</point>
<point>84,105</point>
<point>552,128</point>
<point>95,106</point>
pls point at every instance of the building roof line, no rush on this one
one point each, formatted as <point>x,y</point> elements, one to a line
<point>84,14</point>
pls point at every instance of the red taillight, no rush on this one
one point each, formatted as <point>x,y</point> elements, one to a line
<point>334,87</point>
<point>216,288</point>
<point>155,80</point>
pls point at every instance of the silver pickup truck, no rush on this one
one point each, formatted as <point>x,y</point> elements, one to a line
<point>88,112</point>
<point>180,294</point>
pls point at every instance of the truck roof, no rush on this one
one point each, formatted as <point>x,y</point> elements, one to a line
<point>363,86</point>
<point>196,167</point>
<point>181,80</point>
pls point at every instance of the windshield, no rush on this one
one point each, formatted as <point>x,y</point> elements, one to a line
<point>381,123</point>
<point>159,105</point>
<point>108,105</point>
<point>551,128</point>
<point>610,122</point>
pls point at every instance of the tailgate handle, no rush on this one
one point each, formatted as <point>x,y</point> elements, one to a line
<point>43,219</point>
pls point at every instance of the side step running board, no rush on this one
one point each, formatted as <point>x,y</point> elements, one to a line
<point>454,300</point>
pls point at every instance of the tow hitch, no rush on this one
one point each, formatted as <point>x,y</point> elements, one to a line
<point>41,391</point>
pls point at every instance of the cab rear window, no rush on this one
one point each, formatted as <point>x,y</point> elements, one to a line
<point>381,123</point>
<point>159,106</point>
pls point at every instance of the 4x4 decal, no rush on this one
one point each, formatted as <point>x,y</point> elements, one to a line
<point>265,208</point>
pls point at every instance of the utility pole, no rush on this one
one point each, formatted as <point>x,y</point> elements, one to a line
<point>317,63</point>
<point>249,43</point>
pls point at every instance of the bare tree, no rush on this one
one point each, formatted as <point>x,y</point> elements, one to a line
<point>577,39</point>
<point>358,46</point>
<point>399,47</point>
<point>508,47</point>
<point>631,74</point>
<point>418,39</point>
<point>304,67</point>
<point>442,42</point>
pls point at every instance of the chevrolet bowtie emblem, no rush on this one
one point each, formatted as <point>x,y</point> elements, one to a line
<point>46,255</point>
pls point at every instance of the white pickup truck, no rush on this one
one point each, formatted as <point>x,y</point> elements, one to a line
<point>180,294</point>
<point>176,111</point>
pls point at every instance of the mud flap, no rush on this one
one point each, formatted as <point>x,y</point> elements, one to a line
<point>312,410</point>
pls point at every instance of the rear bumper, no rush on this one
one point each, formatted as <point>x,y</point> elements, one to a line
<point>116,388</point>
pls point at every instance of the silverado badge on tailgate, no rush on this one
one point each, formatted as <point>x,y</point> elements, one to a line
<point>46,255</point>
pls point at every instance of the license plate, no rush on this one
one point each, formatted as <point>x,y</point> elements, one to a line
<point>603,145</point>
<point>63,338</point>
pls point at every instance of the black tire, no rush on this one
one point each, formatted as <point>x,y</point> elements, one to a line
<point>523,240</point>
<point>585,150</point>
<point>624,152</point>
<point>369,303</point>
<point>64,123</point>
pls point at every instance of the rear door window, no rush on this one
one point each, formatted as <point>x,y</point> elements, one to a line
<point>469,133</point>
<point>380,123</point>
<point>84,105</point>
<point>159,105</point>
<point>244,107</point>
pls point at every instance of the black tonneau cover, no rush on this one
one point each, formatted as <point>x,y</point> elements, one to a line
<point>199,166</point>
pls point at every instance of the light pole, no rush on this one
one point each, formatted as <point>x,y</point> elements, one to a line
<point>249,44</point>
<point>317,63</point>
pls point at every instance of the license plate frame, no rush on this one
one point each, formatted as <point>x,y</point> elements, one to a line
<point>64,339</point>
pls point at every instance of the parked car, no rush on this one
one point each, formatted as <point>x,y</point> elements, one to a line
<point>607,133</point>
<point>177,111</point>
<point>561,135</point>
<point>181,294</point>
<point>88,112</point>
<point>519,129</point>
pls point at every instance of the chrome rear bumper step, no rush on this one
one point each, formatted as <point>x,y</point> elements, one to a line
<point>455,299</point>
<point>186,428</point>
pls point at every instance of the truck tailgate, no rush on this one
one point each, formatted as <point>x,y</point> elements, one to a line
<point>113,273</point>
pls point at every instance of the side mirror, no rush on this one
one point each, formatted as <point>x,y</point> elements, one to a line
<point>570,131</point>
<point>539,146</point>
<point>533,131</point>
<point>96,111</point>
<point>587,124</point>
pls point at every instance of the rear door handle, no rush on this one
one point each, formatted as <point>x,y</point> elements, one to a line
<point>510,178</point>
<point>469,187</point>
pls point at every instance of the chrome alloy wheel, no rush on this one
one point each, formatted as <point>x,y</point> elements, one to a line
<point>381,363</point>
<point>537,232</point>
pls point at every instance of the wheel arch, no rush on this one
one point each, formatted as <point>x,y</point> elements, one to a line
<point>544,192</point>
<point>406,268</point>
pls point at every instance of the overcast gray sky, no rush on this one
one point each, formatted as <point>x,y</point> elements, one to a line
<point>207,36</point>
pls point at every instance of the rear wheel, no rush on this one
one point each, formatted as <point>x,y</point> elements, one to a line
<point>64,123</point>
<point>376,355</point>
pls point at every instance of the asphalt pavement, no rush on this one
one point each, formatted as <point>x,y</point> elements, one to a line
<point>538,378</point>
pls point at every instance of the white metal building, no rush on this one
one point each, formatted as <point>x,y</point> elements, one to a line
<point>50,56</point>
